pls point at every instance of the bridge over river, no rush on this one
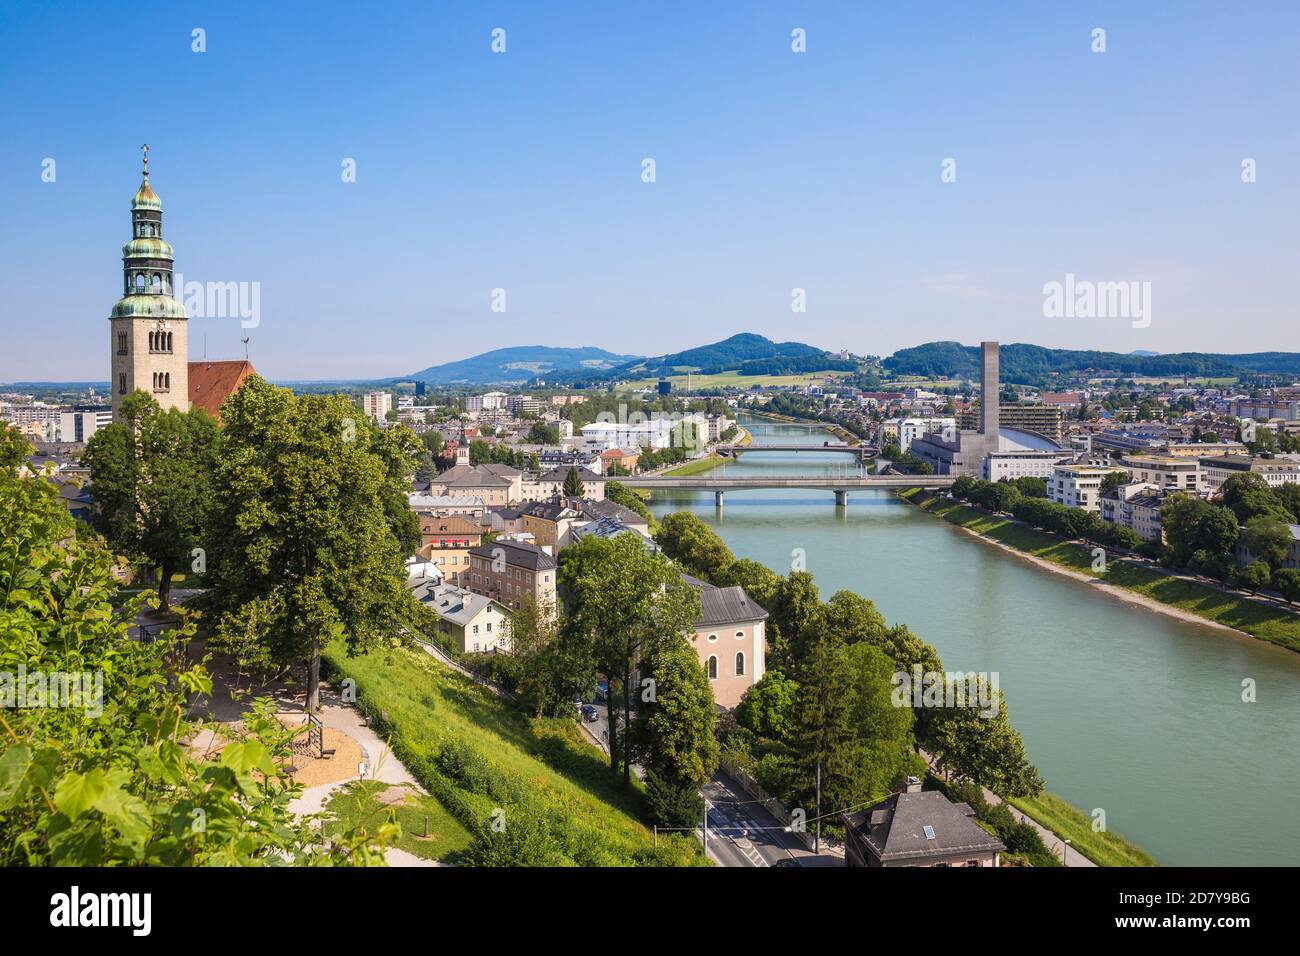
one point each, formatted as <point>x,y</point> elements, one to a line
<point>840,484</point>
<point>861,451</point>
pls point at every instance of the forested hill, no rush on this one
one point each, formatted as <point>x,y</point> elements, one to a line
<point>1033,364</point>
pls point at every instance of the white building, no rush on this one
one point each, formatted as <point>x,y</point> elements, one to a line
<point>910,428</point>
<point>377,405</point>
<point>1078,486</point>
<point>655,433</point>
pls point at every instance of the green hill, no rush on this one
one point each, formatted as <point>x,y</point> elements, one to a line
<point>1035,365</point>
<point>479,756</point>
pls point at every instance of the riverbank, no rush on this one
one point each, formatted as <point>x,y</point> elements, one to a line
<point>1148,587</point>
<point>840,432</point>
<point>700,465</point>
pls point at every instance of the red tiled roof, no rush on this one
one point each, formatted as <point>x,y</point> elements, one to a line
<point>211,383</point>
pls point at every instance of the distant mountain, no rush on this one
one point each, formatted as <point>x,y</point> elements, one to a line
<point>747,353</point>
<point>522,363</point>
<point>1035,365</point>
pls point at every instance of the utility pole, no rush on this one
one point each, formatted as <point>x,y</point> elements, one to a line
<point>817,842</point>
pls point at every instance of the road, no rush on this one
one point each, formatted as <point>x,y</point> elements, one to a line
<point>743,833</point>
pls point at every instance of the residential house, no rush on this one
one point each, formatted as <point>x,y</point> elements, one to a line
<point>916,827</point>
<point>513,571</point>
<point>1135,506</point>
<point>446,542</point>
<point>1078,486</point>
<point>730,640</point>
<point>474,624</point>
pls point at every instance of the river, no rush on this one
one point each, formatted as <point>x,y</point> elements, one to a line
<point>1121,708</point>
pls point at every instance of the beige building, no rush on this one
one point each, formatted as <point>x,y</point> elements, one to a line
<point>730,639</point>
<point>495,485</point>
<point>1078,486</point>
<point>551,483</point>
<point>1275,471</point>
<point>474,624</point>
<point>377,405</point>
<point>1135,506</point>
<point>445,542</point>
<point>1166,472</point>
<point>513,572</point>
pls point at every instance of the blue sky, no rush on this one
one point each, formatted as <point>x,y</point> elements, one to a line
<point>775,171</point>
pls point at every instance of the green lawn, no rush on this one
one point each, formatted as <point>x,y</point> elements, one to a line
<point>357,806</point>
<point>478,755</point>
<point>1259,620</point>
<point>697,467</point>
<point>1069,823</point>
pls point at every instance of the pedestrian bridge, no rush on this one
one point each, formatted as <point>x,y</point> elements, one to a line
<point>841,485</point>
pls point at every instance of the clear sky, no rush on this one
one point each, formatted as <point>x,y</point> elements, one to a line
<point>774,170</point>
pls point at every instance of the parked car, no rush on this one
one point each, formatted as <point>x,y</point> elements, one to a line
<point>602,690</point>
<point>590,714</point>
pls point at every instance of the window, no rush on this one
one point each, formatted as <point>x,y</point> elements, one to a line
<point>713,668</point>
<point>740,664</point>
<point>139,282</point>
<point>489,627</point>
<point>156,283</point>
<point>121,383</point>
<point>929,831</point>
<point>740,635</point>
<point>713,638</point>
<point>475,631</point>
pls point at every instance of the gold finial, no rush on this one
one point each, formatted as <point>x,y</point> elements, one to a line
<point>145,149</point>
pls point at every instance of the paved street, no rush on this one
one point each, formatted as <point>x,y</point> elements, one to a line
<point>743,833</point>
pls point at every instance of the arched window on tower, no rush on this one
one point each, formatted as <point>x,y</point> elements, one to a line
<point>121,343</point>
<point>167,380</point>
<point>151,342</point>
<point>157,283</point>
<point>169,341</point>
<point>121,383</point>
<point>139,282</point>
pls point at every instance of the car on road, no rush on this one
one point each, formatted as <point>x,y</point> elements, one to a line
<point>590,714</point>
<point>788,861</point>
<point>602,690</point>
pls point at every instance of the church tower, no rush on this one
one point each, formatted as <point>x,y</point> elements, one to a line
<point>149,345</point>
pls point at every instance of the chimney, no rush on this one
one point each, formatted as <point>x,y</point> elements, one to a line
<point>989,392</point>
<point>912,785</point>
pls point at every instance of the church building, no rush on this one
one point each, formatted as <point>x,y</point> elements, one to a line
<point>150,336</point>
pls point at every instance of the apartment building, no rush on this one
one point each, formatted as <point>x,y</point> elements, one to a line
<point>1166,472</point>
<point>474,624</point>
<point>1275,471</point>
<point>909,429</point>
<point>445,542</point>
<point>1135,506</point>
<point>377,405</point>
<point>512,572</point>
<point>1078,486</point>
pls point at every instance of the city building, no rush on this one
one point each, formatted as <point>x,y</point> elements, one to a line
<point>549,522</point>
<point>1275,471</point>
<point>730,640</point>
<point>512,572</point>
<point>473,623</point>
<point>377,405</point>
<point>77,426</point>
<point>446,541</point>
<point>913,428</point>
<point>211,383</point>
<point>918,827</point>
<point>1292,559</point>
<point>549,484</point>
<point>1166,472</point>
<point>1045,420</point>
<point>495,485</point>
<point>1136,506</point>
<point>1079,486</point>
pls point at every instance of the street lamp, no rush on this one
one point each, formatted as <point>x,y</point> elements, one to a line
<point>1063,852</point>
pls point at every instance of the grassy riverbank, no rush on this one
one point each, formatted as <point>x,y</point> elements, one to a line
<point>1259,620</point>
<point>1069,823</point>
<point>843,434</point>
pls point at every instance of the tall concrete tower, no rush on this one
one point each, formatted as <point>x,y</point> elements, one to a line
<point>990,394</point>
<point>149,336</point>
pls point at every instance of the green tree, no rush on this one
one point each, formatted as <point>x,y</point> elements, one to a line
<point>1287,581</point>
<point>623,495</point>
<point>152,474</point>
<point>1254,577</point>
<point>624,604</point>
<point>1249,496</point>
<point>110,781</point>
<point>573,483</point>
<point>984,748</point>
<point>797,602</point>
<point>310,529</point>
<point>684,537</point>
<point>1268,539</point>
<point>14,448</point>
<point>542,434</point>
<point>541,678</point>
<point>1192,524</point>
<point>848,727</point>
<point>673,732</point>
<point>768,708</point>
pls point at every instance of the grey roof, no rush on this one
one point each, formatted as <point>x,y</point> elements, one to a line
<point>559,474</point>
<point>603,527</point>
<point>720,606</point>
<point>473,476</point>
<point>895,827</point>
<point>451,603</point>
<point>550,510</point>
<point>610,509</point>
<point>519,553</point>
